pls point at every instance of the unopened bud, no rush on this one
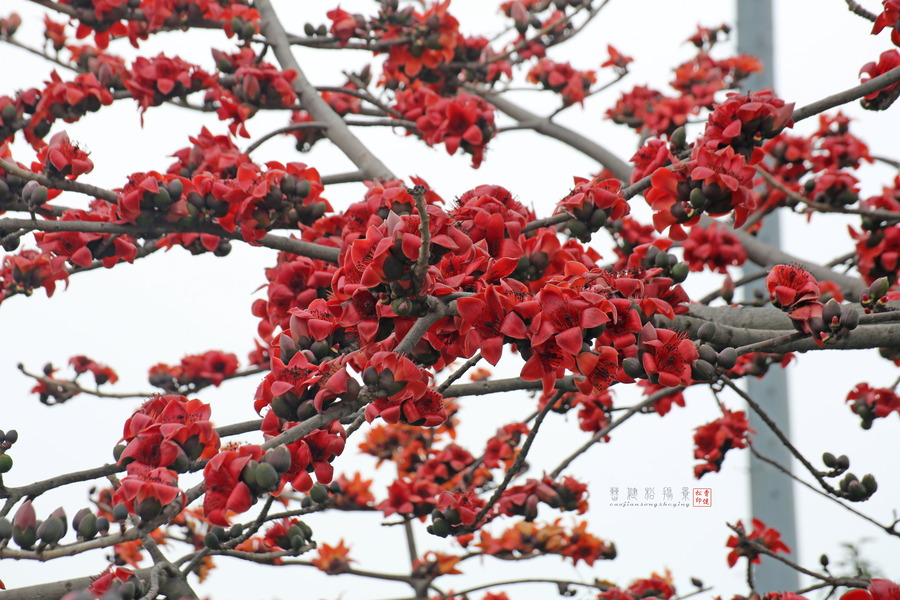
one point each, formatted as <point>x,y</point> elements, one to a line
<point>868,482</point>
<point>727,358</point>
<point>707,331</point>
<point>679,272</point>
<point>698,199</point>
<point>879,288</point>
<point>842,462</point>
<point>849,318</point>
<point>702,371</point>
<point>678,138</point>
<point>831,311</point>
<point>633,368</point>
<point>708,353</point>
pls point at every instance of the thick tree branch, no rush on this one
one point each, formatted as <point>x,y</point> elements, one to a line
<point>337,131</point>
<point>742,326</point>
<point>291,245</point>
<point>546,127</point>
<point>873,85</point>
<point>765,255</point>
<point>57,589</point>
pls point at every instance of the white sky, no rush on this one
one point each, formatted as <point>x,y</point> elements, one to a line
<point>167,306</point>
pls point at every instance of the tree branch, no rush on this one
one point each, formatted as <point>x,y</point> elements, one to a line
<point>864,89</point>
<point>290,245</point>
<point>613,425</point>
<point>336,130</point>
<point>765,255</point>
<point>546,127</point>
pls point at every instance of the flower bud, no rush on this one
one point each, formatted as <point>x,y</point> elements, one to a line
<point>831,312</point>
<point>87,526</point>
<point>849,318</point>
<point>842,462</point>
<point>148,509</point>
<point>267,478</point>
<point>698,199</point>
<point>53,528</point>
<point>868,482</point>
<point>102,525</point>
<point>25,516</point>
<point>707,331</point>
<point>661,260</point>
<point>678,139</point>
<point>531,508</point>
<point>279,457</point>
<point>403,307</point>
<point>727,358</point>
<point>633,368</point>
<point>879,288</point>
<point>248,474</point>
<point>577,229</point>
<point>707,353</point>
<point>306,531</point>
<point>318,493</point>
<point>679,272</point>
<point>701,370</point>
<point>6,529</point>
<point>856,492</point>
<point>440,528</point>
<point>598,219</point>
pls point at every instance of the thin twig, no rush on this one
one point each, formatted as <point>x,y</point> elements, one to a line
<point>764,345</point>
<point>858,10</point>
<point>889,529</point>
<point>59,184</point>
<point>656,396</point>
<point>420,269</point>
<point>458,373</point>
<point>281,130</point>
<point>519,461</point>
<point>780,435</point>
<point>885,215</point>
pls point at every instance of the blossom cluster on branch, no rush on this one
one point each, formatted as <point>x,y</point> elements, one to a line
<point>370,316</point>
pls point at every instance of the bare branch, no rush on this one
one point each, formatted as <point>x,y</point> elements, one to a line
<point>546,127</point>
<point>337,131</point>
<point>873,85</point>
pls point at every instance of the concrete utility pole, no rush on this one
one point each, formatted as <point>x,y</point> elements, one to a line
<point>771,492</point>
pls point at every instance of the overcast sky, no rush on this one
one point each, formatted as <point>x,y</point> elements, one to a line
<point>170,305</point>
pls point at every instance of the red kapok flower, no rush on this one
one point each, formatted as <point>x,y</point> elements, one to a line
<point>888,60</point>
<point>146,491</point>
<point>713,248</point>
<point>333,559</point>
<point>890,18</point>
<point>62,158</point>
<point>667,356</point>
<point>744,545</point>
<point>713,440</point>
<point>222,481</point>
<point>879,589</point>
